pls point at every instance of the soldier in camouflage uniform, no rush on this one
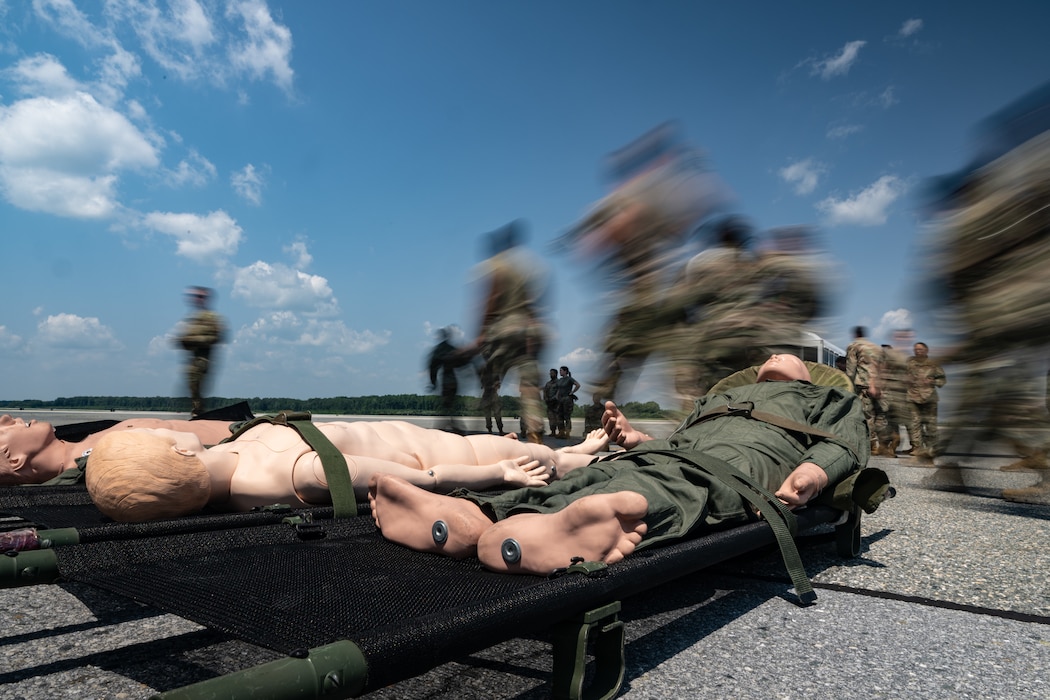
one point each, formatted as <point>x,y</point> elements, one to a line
<point>896,409</point>
<point>200,333</point>
<point>862,366</point>
<point>661,188</point>
<point>989,262</point>
<point>513,331</point>
<point>721,331</point>
<point>924,378</point>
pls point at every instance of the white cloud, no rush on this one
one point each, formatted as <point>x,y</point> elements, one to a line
<point>300,253</point>
<point>897,319</point>
<point>248,183</point>
<point>268,47</point>
<point>277,286</point>
<point>803,174</point>
<point>72,332</point>
<point>62,155</point>
<point>8,340</point>
<point>887,98</point>
<point>42,75</point>
<point>843,131</point>
<point>865,208</point>
<point>204,239</point>
<point>579,356</point>
<point>839,64</point>
<point>286,328</point>
<point>194,170</point>
<point>910,27</point>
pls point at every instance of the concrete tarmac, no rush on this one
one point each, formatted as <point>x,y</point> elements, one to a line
<point>948,599</point>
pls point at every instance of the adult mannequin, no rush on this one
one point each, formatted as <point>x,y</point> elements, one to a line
<point>604,511</point>
<point>30,453</point>
<point>145,475</point>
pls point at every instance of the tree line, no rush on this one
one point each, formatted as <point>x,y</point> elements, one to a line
<point>386,405</point>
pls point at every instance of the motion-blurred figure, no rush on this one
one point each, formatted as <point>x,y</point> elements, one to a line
<point>717,295</point>
<point>989,261</point>
<point>491,402</point>
<point>862,367</point>
<point>198,335</point>
<point>513,331</point>
<point>446,360</point>
<point>661,189</point>
<point>895,384</point>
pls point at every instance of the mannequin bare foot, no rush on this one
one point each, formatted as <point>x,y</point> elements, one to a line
<point>619,429</point>
<point>596,441</point>
<point>601,527</point>
<point>425,521</point>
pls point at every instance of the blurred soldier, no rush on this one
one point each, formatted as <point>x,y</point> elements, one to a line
<point>200,332</point>
<point>924,378</point>
<point>862,367</point>
<point>513,331</point>
<point>895,383</point>
<point>719,295</point>
<point>491,402</point>
<point>661,189</point>
<point>989,263</point>
<point>592,414</point>
<point>446,360</point>
<point>794,282</point>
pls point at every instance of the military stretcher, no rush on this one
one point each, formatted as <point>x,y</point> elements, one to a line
<point>245,575</point>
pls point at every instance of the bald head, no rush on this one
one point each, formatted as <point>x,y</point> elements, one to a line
<point>783,368</point>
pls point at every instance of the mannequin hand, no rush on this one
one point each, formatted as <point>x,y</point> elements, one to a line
<point>524,471</point>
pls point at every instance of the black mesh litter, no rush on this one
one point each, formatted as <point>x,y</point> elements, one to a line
<point>48,507</point>
<point>287,588</point>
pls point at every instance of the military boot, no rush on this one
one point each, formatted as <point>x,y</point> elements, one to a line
<point>891,449</point>
<point>1034,460</point>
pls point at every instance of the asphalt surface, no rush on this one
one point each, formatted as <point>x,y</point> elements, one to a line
<point>949,598</point>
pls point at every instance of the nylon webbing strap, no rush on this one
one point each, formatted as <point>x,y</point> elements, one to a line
<point>336,472</point>
<point>783,524</point>
<point>747,410</point>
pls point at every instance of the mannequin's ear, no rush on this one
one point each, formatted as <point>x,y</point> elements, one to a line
<point>17,462</point>
<point>182,451</point>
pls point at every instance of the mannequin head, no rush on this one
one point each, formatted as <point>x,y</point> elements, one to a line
<point>783,368</point>
<point>140,475</point>
<point>21,445</point>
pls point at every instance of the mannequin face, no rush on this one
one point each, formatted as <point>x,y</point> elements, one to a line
<point>20,442</point>
<point>783,368</point>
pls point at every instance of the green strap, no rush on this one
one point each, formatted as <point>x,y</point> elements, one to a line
<point>336,471</point>
<point>783,523</point>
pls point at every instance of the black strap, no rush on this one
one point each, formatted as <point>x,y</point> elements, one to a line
<point>336,471</point>
<point>777,514</point>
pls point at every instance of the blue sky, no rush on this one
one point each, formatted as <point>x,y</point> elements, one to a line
<point>330,167</point>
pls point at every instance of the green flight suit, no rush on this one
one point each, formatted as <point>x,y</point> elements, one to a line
<point>684,498</point>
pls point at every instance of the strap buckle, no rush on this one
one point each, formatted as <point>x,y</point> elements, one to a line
<point>740,409</point>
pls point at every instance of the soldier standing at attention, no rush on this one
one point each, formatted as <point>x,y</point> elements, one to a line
<point>862,367</point>
<point>201,331</point>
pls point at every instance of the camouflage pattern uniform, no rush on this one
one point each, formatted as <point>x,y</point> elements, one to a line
<point>924,378</point>
<point>722,331</point>
<point>201,332</point>
<point>862,367</point>
<point>513,332</point>
<point>990,261</point>
<point>896,409</point>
